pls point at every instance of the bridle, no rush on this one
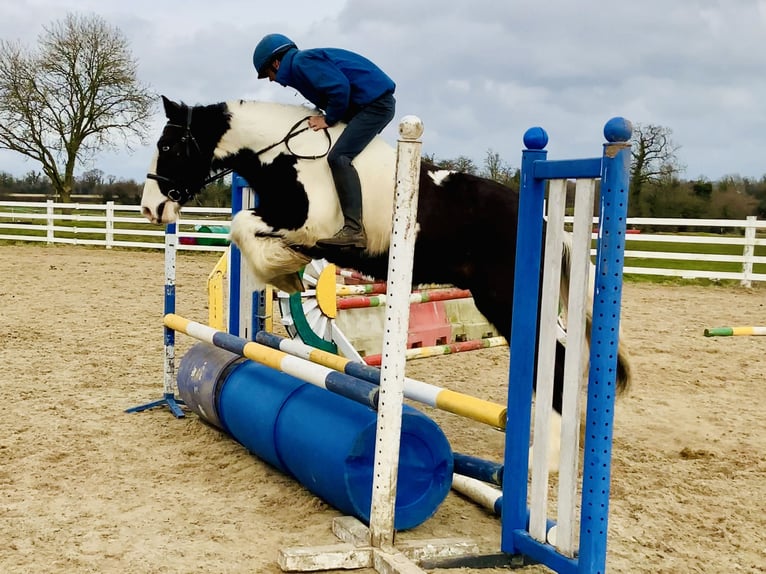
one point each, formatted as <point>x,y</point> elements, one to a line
<point>181,194</point>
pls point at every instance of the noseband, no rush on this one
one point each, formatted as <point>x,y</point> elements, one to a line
<point>181,194</point>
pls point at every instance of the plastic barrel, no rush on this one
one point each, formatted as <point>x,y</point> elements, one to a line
<point>323,440</point>
<point>212,229</point>
<point>200,375</point>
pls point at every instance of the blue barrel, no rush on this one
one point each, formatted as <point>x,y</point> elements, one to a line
<point>325,441</point>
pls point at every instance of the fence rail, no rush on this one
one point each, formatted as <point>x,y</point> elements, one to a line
<point>728,250</point>
<point>109,225</point>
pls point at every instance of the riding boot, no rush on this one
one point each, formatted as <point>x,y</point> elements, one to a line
<point>349,191</point>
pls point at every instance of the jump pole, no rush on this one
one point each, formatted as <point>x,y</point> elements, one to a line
<point>735,331</point>
<point>352,388</point>
<point>462,404</point>
<point>447,349</point>
<point>426,296</point>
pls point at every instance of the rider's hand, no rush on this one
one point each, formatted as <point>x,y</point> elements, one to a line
<point>317,123</point>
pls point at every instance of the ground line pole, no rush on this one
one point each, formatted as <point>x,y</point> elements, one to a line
<point>399,285</point>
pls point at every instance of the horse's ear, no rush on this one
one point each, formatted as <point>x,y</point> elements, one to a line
<point>172,109</point>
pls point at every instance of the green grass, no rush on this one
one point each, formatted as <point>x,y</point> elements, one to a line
<point>701,248</point>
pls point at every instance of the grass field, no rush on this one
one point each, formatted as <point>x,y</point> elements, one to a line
<point>691,248</point>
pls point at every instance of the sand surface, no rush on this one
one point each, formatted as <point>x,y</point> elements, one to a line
<point>85,487</point>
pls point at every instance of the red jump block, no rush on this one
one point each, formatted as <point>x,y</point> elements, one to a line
<point>429,325</point>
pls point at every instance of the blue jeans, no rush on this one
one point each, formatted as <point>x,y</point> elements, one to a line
<point>360,131</point>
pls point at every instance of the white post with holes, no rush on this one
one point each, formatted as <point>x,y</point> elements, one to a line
<point>399,284</point>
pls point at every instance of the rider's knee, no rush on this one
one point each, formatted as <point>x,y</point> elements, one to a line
<point>338,160</point>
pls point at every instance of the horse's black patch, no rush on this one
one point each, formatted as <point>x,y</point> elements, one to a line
<point>186,144</point>
<point>466,238</point>
<point>189,142</point>
<point>282,201</point>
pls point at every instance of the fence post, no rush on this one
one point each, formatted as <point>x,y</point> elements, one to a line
<point>50,221</point>
<point>109,231</point>
<point>749,252</point>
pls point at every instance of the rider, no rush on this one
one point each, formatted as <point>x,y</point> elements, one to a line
<point>347,87</point>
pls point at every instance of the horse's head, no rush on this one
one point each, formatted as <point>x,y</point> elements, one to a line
<point>179,168</point>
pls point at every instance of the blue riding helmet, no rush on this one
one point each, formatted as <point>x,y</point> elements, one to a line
<point>270,47</point>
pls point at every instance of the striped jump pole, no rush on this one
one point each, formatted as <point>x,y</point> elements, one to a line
<point>364,289</point>
<point>479,468</point>
<point>362,302</point>
<point>352,388</point>
<point>437,397</point>
<point>735,331</point>
<point>491,498</point>
<point>352,274</point>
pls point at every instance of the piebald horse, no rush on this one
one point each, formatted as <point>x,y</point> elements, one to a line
<point>466,224</point>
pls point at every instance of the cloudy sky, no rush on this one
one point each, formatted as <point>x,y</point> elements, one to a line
<point>477,73</point>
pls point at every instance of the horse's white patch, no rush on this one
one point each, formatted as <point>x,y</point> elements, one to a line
<point>257,125</point>
<point>271,262</point>
<point>439,176</point>
<point>152,199</point>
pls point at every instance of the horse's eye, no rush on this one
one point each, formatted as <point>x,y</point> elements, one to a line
<point>165,148</point>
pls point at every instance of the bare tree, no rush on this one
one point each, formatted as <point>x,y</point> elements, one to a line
<point>654,159</point>
<point>497,169</point>
<point>461,164</point>
<point>77,94</point>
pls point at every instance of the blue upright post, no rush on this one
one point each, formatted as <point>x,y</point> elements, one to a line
<point>610,256</point>
<point>523,338</point>
<point>247,306</point>
<point>235,258</point>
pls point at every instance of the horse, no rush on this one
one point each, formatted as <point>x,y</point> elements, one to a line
<point>466,224</point>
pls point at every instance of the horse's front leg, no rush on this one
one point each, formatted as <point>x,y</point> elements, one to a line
<point>267,253</point>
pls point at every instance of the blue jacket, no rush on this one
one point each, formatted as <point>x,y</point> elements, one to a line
<point>336,81</point>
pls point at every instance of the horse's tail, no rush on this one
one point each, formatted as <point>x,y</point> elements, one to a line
<point>624,371</point>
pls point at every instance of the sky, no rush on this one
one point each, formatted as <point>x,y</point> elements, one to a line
<point>478,74</point>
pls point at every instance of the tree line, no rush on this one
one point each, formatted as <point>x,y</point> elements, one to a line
<point>656,187</point>
<point>78,93</point>
<point>94,186</point>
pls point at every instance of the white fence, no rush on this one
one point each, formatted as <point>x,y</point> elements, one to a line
<point>113,225</point>
<point>109,225</point>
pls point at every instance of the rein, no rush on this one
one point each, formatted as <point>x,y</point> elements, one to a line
<point>188,137</point>
<point>291,133</point>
